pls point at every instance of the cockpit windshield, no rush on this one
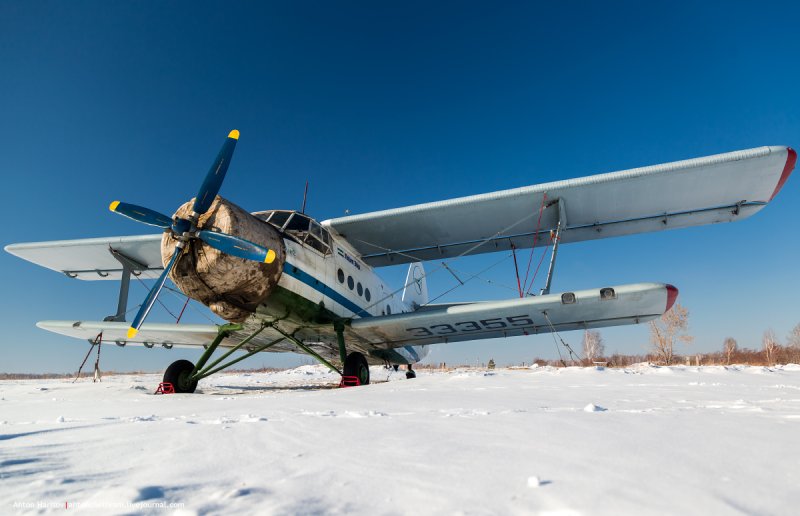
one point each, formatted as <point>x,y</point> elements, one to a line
<point>303,228</point>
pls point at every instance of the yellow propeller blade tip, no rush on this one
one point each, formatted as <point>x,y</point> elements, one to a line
<point>234,134</point>
<point>113,206</point>
<point>132,332</point>
<point>270,256</point>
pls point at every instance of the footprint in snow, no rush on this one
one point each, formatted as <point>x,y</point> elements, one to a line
<point>535,482</point>
<point>371,413</point>
<point>327,413</point>
<point>138,419</point>
<point>464,413</point>
<point>245,491</point>
<point>149,493</point>
<point>250,418</point>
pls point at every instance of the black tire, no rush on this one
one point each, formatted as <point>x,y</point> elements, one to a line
<point>356,365</point>
<point>410,374</point>
<point>178,375</point>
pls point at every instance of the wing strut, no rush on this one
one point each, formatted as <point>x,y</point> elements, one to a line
<point>129,265</point>
<point>562,222</point>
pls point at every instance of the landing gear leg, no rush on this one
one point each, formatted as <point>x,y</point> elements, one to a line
<point>396,367</point>
<point>183,375</point>
<point>410,373</point>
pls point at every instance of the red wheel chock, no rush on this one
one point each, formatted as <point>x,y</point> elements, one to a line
<point>165,388</point>
<point>350,381</point>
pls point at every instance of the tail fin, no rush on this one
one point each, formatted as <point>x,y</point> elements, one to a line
<point>416,292</point>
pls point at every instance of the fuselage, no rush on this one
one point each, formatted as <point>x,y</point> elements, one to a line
<point>323,279</point>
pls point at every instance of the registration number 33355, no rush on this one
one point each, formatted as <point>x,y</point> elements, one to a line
<point>496,323</point>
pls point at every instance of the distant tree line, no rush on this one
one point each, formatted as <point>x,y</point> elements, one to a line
<point>670,330</point>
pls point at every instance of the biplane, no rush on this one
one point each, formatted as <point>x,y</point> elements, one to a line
<point>287,283</point>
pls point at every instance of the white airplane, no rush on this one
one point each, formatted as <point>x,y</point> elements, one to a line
<point>288,283</point>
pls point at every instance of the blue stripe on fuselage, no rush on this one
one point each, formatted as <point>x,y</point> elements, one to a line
<point>311,281</point>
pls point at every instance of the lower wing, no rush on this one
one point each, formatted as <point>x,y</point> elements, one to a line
<point>376,337</point>
<point>596,308</point>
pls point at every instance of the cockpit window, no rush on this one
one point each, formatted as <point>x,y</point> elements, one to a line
<point>297,222</point>
<point>301,227</point>
<point>277,218</point>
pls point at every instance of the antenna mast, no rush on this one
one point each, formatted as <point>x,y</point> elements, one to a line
<point>305,196</point>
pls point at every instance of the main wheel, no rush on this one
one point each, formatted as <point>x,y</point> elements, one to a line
<point>178,374</point>
<point>356,365</point>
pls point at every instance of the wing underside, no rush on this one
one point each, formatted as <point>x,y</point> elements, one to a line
<point>595,308</point>
<point>721,188</point>
<point>95,258</point>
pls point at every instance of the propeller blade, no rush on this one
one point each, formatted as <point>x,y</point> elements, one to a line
<point>213,181</point>
<point>141,214</point>
<point>236,246</point>
<point>150,300</point>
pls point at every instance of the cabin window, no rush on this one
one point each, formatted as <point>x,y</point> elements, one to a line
<point>340,275</point>
<point>367,295</point>
<point>350,283</point>
<point>567,298</point>
<point>360,289</point>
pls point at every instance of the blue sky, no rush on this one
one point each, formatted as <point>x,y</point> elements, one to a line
<point>387,104</point>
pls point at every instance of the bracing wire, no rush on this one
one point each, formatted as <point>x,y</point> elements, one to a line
<point>574,356</point>
<point>440,267</point>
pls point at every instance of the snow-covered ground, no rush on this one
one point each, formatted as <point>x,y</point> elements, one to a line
<point>645,440</point>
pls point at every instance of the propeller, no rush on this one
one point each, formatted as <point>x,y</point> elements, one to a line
<point>236,246</point>
<point>141,214</point>
<point>186,229</point>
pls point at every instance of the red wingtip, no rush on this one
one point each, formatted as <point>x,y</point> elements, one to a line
<point>672,295</point>
<point>791,159</point>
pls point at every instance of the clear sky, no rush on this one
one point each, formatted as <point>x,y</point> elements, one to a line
<point>385,104</point>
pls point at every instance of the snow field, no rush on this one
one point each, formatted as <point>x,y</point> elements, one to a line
<point>643,440</point>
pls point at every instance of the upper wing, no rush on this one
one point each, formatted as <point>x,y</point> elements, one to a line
<point>91,258</point>
<point>627,304</point>
<point>719,188</point>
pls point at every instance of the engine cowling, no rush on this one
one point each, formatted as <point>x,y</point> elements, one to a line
<point>231,287</point>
